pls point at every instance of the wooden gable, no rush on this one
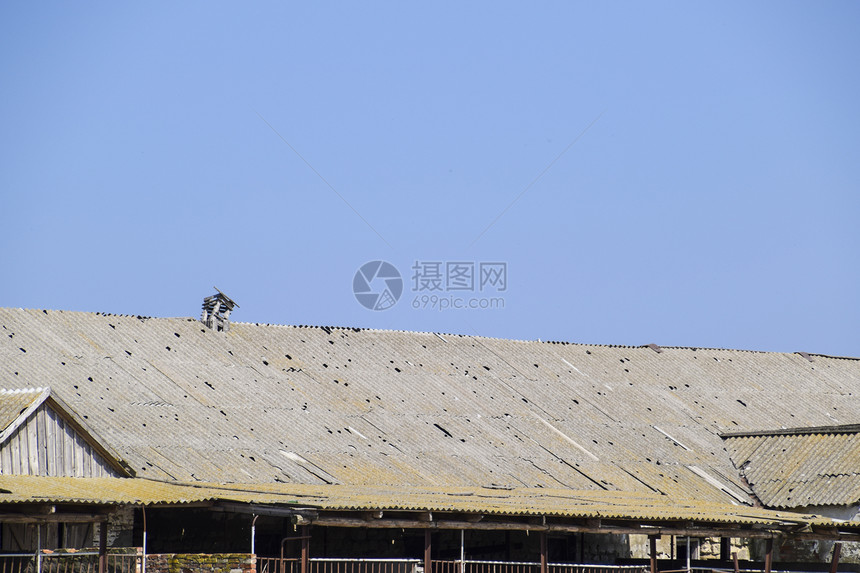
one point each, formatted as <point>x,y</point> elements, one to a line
<point>46,438</point>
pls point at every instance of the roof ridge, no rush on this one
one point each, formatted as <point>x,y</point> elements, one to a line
<point>437,333</point>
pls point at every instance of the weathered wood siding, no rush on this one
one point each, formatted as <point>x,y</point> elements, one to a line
<point>46,445</point>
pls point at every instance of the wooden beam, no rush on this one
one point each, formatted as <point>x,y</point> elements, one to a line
<point>306,547</point>
<point>428,563</point>
<point>248,508</point>
<point>544,562</point>
<point>53,518</point>
<point>103,531</point>
<point>652,541</point>
<point>834,562</point>
<point>326,521</point>
<point>768,556</point>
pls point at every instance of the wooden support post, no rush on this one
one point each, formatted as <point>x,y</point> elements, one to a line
<point>735,560</point>
<point>103,526</point>
<point>834,563</point>
<point>768,556</point>
<point>306,547</point>
<point>544,561</point>
<point>428,563</point>
<point>653,540</point>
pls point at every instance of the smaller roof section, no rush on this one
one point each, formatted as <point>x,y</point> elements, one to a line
<point>62,431</point>
<point>16,406</point>
<point>800,467</point>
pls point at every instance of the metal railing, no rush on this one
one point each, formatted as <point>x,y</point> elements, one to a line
<point>319,565</point>
<point>325,565</point>
<point>77,562</point>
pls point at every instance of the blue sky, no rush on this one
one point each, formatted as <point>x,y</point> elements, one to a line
<point>679,173</point>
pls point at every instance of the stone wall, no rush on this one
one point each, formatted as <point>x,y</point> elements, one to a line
<point>705,548</point>
<point>202,563</point>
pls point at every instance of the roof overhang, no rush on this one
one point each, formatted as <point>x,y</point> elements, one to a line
<point>475,508</point>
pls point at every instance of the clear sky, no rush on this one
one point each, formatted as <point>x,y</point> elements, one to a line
<point>681,173</point>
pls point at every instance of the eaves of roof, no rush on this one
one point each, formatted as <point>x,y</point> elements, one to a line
<point>518,502</point>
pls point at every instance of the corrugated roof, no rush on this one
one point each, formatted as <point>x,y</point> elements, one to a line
<point>14,404</point>
<point>563,503</point>
<point>316,405</point>
<point>804,469</point>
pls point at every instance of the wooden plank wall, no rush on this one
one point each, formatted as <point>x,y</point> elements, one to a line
<point>46,445</point>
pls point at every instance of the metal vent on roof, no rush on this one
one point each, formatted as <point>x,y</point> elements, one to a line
<point>216,311</point>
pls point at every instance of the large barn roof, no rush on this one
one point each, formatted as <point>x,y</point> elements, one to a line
<point>321,405</point>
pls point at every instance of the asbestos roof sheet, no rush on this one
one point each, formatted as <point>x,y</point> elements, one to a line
<point>14,403</point>
<point>806,469</point>
<point>562,503</point>
<point>319,405</point>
